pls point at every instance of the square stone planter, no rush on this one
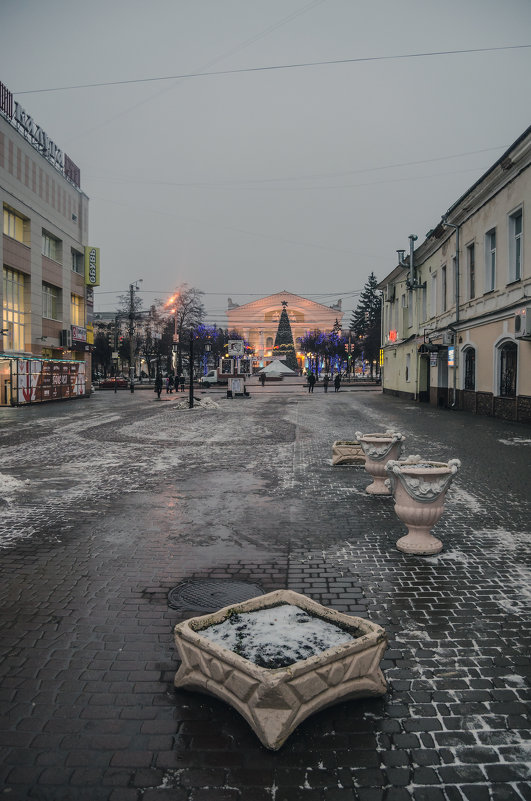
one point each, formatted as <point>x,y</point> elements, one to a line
<point>275,701</point>
<point>347,452</point>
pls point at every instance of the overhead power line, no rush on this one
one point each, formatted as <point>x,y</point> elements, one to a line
<point>273,67</point>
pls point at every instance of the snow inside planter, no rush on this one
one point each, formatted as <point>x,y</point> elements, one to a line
<point>280,657</point>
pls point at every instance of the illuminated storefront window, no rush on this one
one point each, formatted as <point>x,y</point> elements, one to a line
<point>77,310</point>
<point>13,310</point>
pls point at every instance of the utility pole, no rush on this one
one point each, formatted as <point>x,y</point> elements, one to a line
<point>132,289</point>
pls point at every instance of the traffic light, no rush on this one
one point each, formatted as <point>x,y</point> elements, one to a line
<point>120,339</point>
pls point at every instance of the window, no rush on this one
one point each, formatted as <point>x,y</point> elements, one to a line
<point>13,309</point>
<point>51,247</point>
<point>515,246</point>
<point>443,288</point>
<point>490,260</point>
<point>14,225</point>
<point>452,281</point>
<point>408,366</point>
<point>78,262</point>
<point>470,368</point>
<point>508,364</point>
<point>269,342</point>
<point>424,302</point>
<point>51,297</point>
<point>433,308</point>
<point>410,308</point>
<point>77,310</point>
<point>471,270</point>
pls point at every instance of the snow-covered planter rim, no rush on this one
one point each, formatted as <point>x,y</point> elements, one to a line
<point>414,465</point>
<point>191,629</point>
<point>378,436</point>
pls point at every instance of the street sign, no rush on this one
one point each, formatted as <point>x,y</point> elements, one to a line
<point>115,354</point>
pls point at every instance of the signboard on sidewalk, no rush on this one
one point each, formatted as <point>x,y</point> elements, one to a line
<point>40,380</point>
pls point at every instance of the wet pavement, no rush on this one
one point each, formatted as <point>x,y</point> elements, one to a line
<point>109,503</point>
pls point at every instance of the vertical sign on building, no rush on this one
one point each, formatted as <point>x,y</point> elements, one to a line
<point>92,266</point>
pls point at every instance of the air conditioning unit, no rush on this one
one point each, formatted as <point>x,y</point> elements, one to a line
<point>66,338</point>
<point>522,323</point>
<point>448,338</point>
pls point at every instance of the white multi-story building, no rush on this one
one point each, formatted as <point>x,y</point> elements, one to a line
<point>48,270</point>
<point>456,321</point>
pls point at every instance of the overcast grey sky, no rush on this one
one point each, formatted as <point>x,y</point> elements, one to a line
<point>248,183</point>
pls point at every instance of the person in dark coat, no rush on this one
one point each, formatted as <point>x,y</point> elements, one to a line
<point>262,378</point>
<point>176,382</point>
<point>311,382</point>
<point>337,383</point>
<point>158,385</point>
<point>326,381</point>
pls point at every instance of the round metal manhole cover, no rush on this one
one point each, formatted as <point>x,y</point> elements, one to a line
<point>206,595</point>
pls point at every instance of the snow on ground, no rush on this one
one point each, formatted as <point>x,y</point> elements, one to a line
<point>9,485</point>
<point>458,495</point>
<point>515,441</point>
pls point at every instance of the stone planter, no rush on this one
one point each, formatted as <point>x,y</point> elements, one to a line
<point>379,448</point>
<point>347,452</point>
<point>419,488</point>
<point>275,701</point>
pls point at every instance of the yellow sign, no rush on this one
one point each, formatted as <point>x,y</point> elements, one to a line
<point>90,334</point>
<point>92,266</point>
<point>381,359</point>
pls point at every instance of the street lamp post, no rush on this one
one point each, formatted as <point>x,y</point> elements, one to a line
<point>191,371</point>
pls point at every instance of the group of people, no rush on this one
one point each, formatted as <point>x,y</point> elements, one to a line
<point>326,380</point>
<point>172,382</point>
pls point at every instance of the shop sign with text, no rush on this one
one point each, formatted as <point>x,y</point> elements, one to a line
<point>92,266</point>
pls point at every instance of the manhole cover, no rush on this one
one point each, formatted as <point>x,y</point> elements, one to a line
<point>207,596</point>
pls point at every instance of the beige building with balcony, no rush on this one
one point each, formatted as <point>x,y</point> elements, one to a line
<point>46,296</point>
<point>257,321</point>
<point>456,320</point>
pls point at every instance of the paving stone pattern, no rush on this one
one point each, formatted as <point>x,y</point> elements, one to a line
<point>127,497</point>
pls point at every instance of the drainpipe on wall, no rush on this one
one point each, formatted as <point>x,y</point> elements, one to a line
<point>453,327</point>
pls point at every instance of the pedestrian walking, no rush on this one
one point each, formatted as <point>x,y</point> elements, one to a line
<point>326,381</point>
<point>158,385</point>
<point>311,382</point>
<point>167,384</point>
<point>176,382</point>
<point>337,382</point>
<point>262,378</point>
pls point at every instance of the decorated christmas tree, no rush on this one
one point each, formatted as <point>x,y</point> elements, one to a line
<point>284,348</point>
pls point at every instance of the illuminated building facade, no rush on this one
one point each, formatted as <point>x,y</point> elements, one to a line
<point>257,321</point>
<point>48,270</point>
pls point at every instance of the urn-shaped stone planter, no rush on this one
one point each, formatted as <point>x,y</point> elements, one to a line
<point>275,700</point>
<point>379,448</point>
<point>419,489</point>
<point>347,452</point>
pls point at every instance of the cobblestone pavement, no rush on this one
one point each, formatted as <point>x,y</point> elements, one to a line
<point>108,503</point>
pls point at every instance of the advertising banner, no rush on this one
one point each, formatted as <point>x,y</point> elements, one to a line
<point>40,380</point>
<point>92,266</point>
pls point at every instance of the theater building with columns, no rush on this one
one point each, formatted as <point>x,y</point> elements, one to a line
<point>257,321</point>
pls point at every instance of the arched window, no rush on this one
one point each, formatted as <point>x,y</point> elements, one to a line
<point>470,368</point>
<point>508,366</point>
<point>269,342</point>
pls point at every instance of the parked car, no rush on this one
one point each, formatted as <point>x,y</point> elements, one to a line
<point>110,383</point>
